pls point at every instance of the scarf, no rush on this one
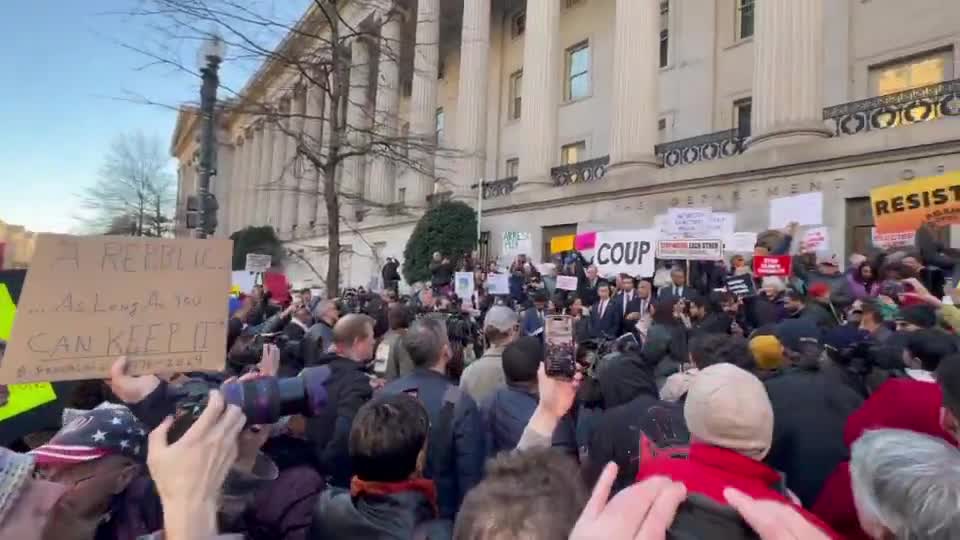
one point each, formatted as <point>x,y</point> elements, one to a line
<point>426,487</point>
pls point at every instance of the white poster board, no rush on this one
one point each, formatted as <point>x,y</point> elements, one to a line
<point>567,283</point>
<point>892,240</point>
<point>516,243</point>
<point>242,281</point>
<point>258,262</point>
<point>804,209</point>
<point>688,222</point>
<point>463,282</point>
<point>498,284</point>
<point>741,242</point>
<point>690,250</point>
<point>626,252</point>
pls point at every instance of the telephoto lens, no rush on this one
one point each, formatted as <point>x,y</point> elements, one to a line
<point>267,399</point>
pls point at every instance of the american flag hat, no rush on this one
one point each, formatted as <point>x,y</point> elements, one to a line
<point>88,435</point>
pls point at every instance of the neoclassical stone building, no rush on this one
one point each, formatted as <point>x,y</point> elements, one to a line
<point>604,113</point>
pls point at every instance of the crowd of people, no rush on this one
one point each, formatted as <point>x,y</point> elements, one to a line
<point>825,405</point>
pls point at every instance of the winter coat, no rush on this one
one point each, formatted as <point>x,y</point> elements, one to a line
<point>484,375</point>
<point>456,447</point>
<point>441,273</point>
<point>901,403</point>
<point>316,342</point>
<point>711,469</point>
<point>810,408</point>
<point>348,388</point>
<point>505,415</point>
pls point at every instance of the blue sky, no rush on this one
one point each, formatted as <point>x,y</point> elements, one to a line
<point>64,74</point>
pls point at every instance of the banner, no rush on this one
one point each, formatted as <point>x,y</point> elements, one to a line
<point>690,250</point>
<point>804,209</point>
<point>741,285</point>
<point>463,285</point>
<point>498,284</point>
<point>741,242</point>
<point>815,239</point>
<point>892,240</point>
<point>626,252</point>
<point>559,244</point>
<point>772,265</point>
<point>904,207</point>
<point>516,243</point>
<point>89,299</point>
<point>257,262</point>
<point>567,283</point>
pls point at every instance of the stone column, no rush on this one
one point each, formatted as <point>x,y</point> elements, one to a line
<point>278,165</point>
<point>788,72</point>
<point>358,124</point>
<point>471,129</point>
<point>312,137</point>
<point>382,180</point>
<point>263,187</point>
<point>249,177</point>
<point>294,185</point>
<point>541,87</point>
<point>636,83</point>
<point>237,179</point>
<point>423,101</point>
<point>253,177</point>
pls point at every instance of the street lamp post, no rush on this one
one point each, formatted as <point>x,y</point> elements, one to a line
<point>211,54</point>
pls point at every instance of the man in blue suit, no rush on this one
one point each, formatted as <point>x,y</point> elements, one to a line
<point>532,323</point>
<point>677,289</point>
<point>605,315</point>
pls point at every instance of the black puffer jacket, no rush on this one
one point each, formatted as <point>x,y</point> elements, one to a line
<point>398,516</point>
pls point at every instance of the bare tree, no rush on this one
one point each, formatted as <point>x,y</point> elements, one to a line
<point>315,51</point>
<point>135,193</point>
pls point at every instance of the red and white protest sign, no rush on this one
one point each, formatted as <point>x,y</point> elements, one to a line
<point>892,240</point>
<point>772,265</point>
<point>815,239</point>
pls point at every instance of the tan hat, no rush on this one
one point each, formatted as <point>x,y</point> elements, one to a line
<point>729,407</point>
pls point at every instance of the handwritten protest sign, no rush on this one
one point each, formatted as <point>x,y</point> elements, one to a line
<point>690,250</point>
<point>626,252</point>
<point>741,285</point>
<point>516,243</point>
<point>567,283</point>
<point>257,262</point>
<point>88,300</point>
<point>772,265</point>
<point>688,222</point>
<point>804,209</point>
<point>892,240</point>
<point>904,207</point>
<point>815,239</point>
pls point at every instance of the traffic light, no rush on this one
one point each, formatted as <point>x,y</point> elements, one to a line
<point>202,216</point>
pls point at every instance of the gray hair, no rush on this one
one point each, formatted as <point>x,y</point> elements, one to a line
<point>774,282</point>
<point>424,341</point>
<point>323,306</point>
<point>908,482</point>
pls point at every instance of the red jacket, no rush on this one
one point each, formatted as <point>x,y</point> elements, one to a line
<point>900,403</point>
<point>710,469</point>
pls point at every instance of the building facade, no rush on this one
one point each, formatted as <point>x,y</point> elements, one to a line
<point>605,113</point>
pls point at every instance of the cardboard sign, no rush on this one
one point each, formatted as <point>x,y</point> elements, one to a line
<point>690,250</point>
<point>88,300</point>
<point>804,209</point>
<point>904,207</point>
<point>741,285</point>
<point>772,265</point>
<point>257,262</point>
<point>567,283</point>
<point>626,252</point>
<point>498,284</point>
<point>815,239</point>
<point>892,240</point>
<point>559,244</point>
<point>740,242</point>
<point>463,285</point>
<point>516,243</point>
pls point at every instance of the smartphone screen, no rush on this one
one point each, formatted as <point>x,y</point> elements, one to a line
<point>560,360</point>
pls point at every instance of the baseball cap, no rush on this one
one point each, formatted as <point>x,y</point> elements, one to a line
<point>793,332</point>
<point>90,435</point>
<point>827,258</point>
<point>502,318</point>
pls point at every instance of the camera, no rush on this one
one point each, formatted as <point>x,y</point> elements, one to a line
<point>263,400</point>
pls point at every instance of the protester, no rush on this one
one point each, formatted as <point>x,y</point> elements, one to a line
<point>862,281</point>
<point>665,345</point>
<point>485,375</point>
<point>349,388</point>
<point>826,271</point>
<point>388,497</point>
<point>604,315</point>
<point>319,338</point>
<point>441,273</point>
<point>678,289</point>
<point>299,323</point>
<point>906,494</point>
<point>397,362</point>
<point>390,274</point>
<point>27,504</point>
<point>456,450</point>
<point>872,321</point>
<point>533,318</point>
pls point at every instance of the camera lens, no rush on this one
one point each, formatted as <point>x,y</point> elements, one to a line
<point>266,399</point>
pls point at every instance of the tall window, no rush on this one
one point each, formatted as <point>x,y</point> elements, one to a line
<point>916,71</point>
<point>573,153</point>
<point>518,23</point>
<point>578,72</point>
<point>405,136</point>
<point>745,12</point>
<point>742,115</point>
<point>402,195</point>
<point>513,168</point>
<point>662,130</point>
<point>664,33</point>
<point>516,94</point>
<point>440,124</point>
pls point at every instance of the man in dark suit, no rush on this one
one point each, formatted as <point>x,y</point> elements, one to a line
<point>605,315</point>
<point>532,323</point>
<point>677,289</point>
<point>632,302</point>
